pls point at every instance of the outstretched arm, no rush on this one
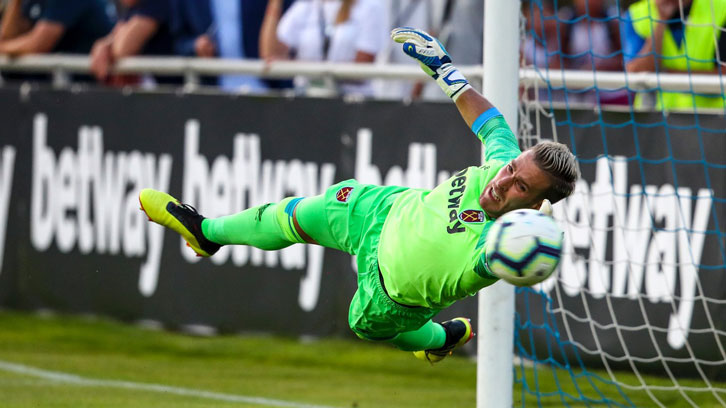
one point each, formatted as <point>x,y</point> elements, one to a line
<point>479,114</point>
<point>471,105</point>
<point>435,61</point>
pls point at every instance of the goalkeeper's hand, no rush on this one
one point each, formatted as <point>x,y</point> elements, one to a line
<point>433,58</point>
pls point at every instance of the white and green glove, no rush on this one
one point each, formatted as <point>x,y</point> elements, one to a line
<point>434,59</point>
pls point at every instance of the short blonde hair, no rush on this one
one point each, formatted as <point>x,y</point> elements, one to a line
<point>561,165</point>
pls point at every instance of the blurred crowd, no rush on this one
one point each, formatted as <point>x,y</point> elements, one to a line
<point>673,36</point>
<point>604,35</point>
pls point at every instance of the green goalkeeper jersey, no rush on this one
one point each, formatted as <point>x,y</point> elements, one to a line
<point>432,240</point>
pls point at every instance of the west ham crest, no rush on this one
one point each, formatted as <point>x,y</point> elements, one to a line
<point>472,216</point>
<point>343,194</point>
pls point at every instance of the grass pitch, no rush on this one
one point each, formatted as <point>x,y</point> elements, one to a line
<point>335,373</point>
<point>62,361</point>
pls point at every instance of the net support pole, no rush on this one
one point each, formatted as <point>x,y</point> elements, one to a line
<point>495,342</point>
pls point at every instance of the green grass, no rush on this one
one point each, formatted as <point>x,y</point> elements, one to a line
<point>602,392</point>
<point>343,373</point>
<point>339,373</point>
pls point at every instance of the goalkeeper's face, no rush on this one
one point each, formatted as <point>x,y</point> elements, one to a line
<point>519,184</point>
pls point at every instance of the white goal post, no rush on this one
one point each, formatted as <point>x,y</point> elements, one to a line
<point>495,344</point>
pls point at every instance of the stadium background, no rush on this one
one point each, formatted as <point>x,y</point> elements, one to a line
<point>75,243</point>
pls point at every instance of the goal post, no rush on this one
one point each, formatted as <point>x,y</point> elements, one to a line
<point>495,344</point>
<point>634,315</point>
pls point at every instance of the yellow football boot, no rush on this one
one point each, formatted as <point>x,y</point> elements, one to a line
<point>458,333</point>
<point>184,219</point>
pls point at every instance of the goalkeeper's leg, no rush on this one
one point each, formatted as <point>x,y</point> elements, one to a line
<point>430,336</point>
<point>274,226</point>
<point>270,226</point>
<point>457,332</point>
<point>433,341</point>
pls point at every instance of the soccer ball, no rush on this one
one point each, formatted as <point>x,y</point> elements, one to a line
<point>523,247</point>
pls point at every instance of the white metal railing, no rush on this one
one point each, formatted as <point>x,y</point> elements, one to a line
<point>191,68</point>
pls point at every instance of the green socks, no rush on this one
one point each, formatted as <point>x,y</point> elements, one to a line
<point>267,227</point>
<point>271,227</point>
<point>430,336</point>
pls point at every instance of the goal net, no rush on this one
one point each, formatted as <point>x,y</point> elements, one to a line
<point>636,313</point>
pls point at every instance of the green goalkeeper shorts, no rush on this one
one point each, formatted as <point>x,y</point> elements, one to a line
<point>355,214</point>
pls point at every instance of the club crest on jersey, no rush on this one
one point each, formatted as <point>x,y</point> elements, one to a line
<point>472,216</point>
<point>343,194</point>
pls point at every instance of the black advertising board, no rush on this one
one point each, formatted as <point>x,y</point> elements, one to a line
<point>77,241</point>
<point>642,276</point>
<point>71,165</point>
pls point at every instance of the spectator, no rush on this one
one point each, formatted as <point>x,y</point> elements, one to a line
<point>462,32</point>
<point>152,27</point>
<point>237,35</point>
<point>193,33</point>
<point>657,39</point>
<point>405,13</point>
<point>143,29</point>
<point>42,26</point>
<point>542,46</point>
<point>592,43</point>
<point>192,28</point>
<point>326,30</point>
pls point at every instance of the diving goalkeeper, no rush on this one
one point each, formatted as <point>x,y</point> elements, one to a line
<point>418,251</point>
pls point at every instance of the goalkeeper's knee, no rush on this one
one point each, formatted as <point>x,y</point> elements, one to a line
<point>284,212</point>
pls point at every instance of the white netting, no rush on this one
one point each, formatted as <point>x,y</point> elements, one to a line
<point>635,315</point>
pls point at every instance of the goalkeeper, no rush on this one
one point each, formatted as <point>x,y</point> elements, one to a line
<point>419,251</point>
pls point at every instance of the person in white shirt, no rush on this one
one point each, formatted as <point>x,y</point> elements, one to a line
<point>326,30</point>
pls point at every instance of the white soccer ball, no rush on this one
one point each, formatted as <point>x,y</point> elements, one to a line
<point>523,247</point>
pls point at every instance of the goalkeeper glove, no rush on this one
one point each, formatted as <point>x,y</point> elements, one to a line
<point>433,58</point>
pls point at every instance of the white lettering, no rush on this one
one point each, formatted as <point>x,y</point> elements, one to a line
<point>89,199</point>
<point>41,216</point>
<point>601,210</point>
<point>420,173</point>
<point>244,182</point>
<point>657,242</point>
<point>6,182</point>
<point>577,235</point>
<point>691,237</point>
<point>196,174</point>
<point>133,223</point>
<point>88,138</point>
<point>64,200</point>
<point>310,283</point>
<point>660,272</point>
